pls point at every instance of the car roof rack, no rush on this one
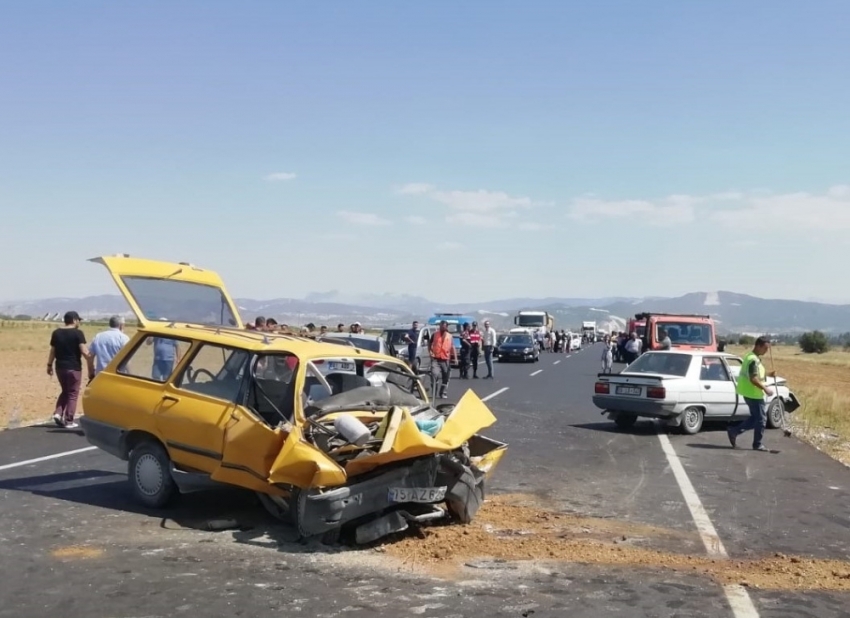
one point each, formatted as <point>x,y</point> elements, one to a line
<point>648,314</point>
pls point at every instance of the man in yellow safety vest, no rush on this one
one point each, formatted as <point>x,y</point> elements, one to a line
<point>751,386</point>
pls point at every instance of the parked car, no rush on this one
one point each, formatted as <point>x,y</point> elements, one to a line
<point>518,346</point>
<point>683,388</point>
<point>575,342</point>
<point>326,451</point>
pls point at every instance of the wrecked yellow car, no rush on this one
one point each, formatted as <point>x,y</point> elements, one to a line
<point>330,437</point>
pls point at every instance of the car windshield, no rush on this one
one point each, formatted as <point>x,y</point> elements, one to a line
<point>663,363</point>
<point>530,320</point>
<point>396,337</point>
<point>684,333</point>
<point>519,340</point>
<point>170,300</point>
<point>351,384</point>
<point>364,343</point>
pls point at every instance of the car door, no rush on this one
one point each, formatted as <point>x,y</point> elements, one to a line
<point>734,364</point>
<point>717,389</point>
<point>195,409</point>
<point>423,352</point>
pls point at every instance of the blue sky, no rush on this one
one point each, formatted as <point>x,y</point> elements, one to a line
<point>456,151</point>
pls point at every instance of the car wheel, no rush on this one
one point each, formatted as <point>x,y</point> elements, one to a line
<point>149,472</point>
<point>625,421</point>
<point>775,412</point>
<point>692,420</point>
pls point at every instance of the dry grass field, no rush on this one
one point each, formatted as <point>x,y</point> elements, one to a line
<point>821,381</point>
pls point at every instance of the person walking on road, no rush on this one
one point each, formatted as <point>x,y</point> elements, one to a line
<point>751,386</point>
<point>106,344</point>
<point>607,358</point>
<point>67,349</point>
<point>489,341</point>
<point>475,348</point>
<point>442,353</point>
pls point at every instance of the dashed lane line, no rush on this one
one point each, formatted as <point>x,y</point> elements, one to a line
<point>739,600</point>
<point>18,464</point>
<point>534,373</point>
<point>496,394</point>
<point>556,362</point>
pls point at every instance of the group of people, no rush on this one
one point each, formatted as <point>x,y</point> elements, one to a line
<point>68,348</point>
<point>270,325</point>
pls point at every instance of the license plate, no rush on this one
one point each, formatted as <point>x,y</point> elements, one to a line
<point>340,366</point>
<point>417,494</point>
<point>628,390</point>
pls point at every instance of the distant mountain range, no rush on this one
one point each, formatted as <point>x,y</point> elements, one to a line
<point>737,313</point>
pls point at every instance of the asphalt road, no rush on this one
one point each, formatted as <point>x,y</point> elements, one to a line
<point>74,544</point>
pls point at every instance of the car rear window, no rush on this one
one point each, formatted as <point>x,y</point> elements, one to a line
<point>665,363</point>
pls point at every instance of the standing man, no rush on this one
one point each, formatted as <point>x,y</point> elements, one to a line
<point>489,337</point>
<point>442,353</point>
<point>664,339</point>
<point>475,348</point>
<point>165,352</point>
<point>752,387</point>
<point>465,349</point>
<point>411,338</point>
<point>632,348</point>
<point>67,349</point>
<point>340,328</point>
<point>607,358</point>
<point>106,344</point>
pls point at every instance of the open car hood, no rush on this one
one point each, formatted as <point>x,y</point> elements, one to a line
<point>172,292</point>
<point>398,438</point>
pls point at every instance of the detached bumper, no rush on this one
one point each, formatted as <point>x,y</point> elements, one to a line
<point>638,407</point>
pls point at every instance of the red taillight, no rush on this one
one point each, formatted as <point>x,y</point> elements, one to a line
<point>318,362</point>
<point>602,388</point>
<point>370,363</point>
<point>656,392</point>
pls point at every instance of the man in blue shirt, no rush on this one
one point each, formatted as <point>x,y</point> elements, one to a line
<point>412,338</point>
<point>164,357</point>
<point>107,343</point>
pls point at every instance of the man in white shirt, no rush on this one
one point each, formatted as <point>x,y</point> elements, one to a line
<point>633,348</point>
<point>488,340</point>
<point>107,343</point>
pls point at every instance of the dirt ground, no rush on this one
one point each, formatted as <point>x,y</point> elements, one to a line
<point>516,528</point>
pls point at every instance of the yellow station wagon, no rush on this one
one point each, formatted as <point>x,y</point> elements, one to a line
<point>329,437</point>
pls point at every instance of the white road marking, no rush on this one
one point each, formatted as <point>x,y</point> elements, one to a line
<point>739,600</point>
<point>496,394</point>
<point>556,362</point>
<point>46,458</point>
<point>536,372</point>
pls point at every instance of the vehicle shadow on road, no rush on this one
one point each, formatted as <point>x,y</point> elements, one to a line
<point>233,511</point>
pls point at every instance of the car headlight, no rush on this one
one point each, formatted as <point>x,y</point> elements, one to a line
<point>526,350</point>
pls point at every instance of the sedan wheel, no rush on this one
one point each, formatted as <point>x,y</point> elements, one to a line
<point>149,471</point>
<point>692,420</point>
<point>774,413</point>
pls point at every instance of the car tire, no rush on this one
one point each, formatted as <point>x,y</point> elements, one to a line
<point>692,419</point>
<point>149,473</point>
<point>625,421</point>
<point>775,411</point>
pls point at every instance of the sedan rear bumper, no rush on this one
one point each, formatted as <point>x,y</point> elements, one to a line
<point>638,407</point>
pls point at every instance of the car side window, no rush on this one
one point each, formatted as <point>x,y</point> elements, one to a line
<point>215,371</point>
<point>713,370</point>
<point>154,358</point>
<point>734,365</point>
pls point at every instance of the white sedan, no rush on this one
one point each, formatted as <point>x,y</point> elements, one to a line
<point>684,388</point>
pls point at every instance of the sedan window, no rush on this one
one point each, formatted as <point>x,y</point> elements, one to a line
<point>662,363</point>
<point>713,370</point>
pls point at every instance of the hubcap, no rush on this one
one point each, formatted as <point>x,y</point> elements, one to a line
<point>148,475</point>
<point>692,418</point>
